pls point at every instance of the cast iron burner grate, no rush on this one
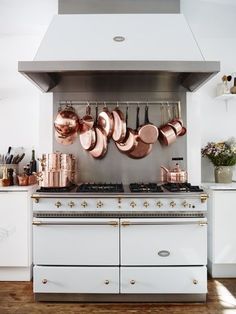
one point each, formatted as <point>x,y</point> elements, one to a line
<point>100,188</point>
<point>57,190</point>
<point>182,187</point>
<point>142,187</point>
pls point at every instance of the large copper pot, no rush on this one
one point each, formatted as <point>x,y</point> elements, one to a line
<point>57,170</point>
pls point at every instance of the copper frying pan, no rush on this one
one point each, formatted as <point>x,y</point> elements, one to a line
<point>100,149</point>
<point>141,149</point>
<point>88,139</point>
<point>129,143</point>
<point>106,122</point>
<point>148,133</point>
<point>119,131</point>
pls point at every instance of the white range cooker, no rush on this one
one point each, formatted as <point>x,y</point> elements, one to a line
<point>109,242</point>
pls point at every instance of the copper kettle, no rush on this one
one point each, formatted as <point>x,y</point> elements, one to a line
<point>175,175</point>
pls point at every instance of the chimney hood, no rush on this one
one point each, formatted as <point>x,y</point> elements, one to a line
<point>119,52</point>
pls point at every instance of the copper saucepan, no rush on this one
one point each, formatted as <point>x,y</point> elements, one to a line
<point>88,138</point>
<point>184,130</point>
<point>87,120</point>
<point>173,122</point>
<point>119,131</point>
<point>129,142</point>
<point>100,148</point>
<point>141,149</point>
<point>148,133</point>
<point>167,134</point>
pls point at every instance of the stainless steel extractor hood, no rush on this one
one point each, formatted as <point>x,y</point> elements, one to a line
<point>144,52</point>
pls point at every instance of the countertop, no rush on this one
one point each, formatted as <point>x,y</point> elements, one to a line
<point>219,186</point>
<point>17,188</point>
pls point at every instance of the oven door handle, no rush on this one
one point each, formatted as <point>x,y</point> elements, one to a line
<point>76,223</point>
<point>149,223</point>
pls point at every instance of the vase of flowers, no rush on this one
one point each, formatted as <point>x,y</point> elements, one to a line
<point>223,157</point>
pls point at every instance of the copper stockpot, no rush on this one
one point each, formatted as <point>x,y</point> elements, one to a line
<point>55,179</point>
<point>57,161</point>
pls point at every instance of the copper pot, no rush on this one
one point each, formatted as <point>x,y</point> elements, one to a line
<point>67,122</point>
<point>55,179</point>
<point>175,175</point>
<point>167,134</point>
<point>57,161</point>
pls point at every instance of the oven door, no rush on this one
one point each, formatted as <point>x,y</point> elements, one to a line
<point>62,241</point>
<point>164,241</point>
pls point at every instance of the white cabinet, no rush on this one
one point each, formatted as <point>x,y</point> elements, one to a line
<point>15,234</point>
<point>164,242</point>
<point>164,280</point>
<point>76,279</point>
<point>76,242</point>
<point>222,233</point>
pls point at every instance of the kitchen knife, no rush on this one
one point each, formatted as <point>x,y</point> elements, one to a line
<point>8,153</point>
<point>20,158</point>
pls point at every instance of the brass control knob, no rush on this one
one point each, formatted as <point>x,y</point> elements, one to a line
<point>159,204</point>
<point>106,282</point>
<point>185,204</point>
<point>58,204</point>
<point>146,204</point>
<point>172,204</point>
<point>71,204</point>
<point>132,282</point>
<point>195,282</point>
<point>132,204</point>
<point>84,204</point>
<point>99,204</point>
<point>44,281</point>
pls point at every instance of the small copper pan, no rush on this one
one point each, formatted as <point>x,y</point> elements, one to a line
<point>148,133</point>
<point>88,139</point>
<point>184,130</point>
<point>100,149</point>
<point>87,121</point>
<point>167,134</point>
<point>129,142</point>
<point>106,122</point>
<point>119,131</point>
<point>141,149</point>
<point>174,123</point>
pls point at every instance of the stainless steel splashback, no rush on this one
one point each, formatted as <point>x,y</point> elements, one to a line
<point>116,167</point>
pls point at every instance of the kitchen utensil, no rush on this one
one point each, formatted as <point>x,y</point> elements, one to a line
<point>88,138</point>
<point>106,122</point>
<point>141,149</point>
<point>129,142</point>
<point>119,131</point>
<point>87,120</point>
<point>100,148</point>
<point>174,122</point>
<point>67,122</point>
<point>20,158</point>
<point>184,130</point>
<point>175,175</point>
<point>8,153</point>
<point>148,133</point>
<point>167,134</point>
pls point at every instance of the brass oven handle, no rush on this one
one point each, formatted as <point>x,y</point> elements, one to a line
<point>65,223</point>
<point>149,223</point>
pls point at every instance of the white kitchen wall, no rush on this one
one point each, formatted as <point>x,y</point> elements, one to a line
<point>213,23</point>
<point>22,25</point>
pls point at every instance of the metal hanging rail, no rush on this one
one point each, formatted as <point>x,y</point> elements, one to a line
<point>123,102</point>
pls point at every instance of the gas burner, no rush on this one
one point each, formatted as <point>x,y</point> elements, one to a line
<point>56,190</point>
<point>142,187</point>
<point>182,187</point>
<point>100,188</point>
